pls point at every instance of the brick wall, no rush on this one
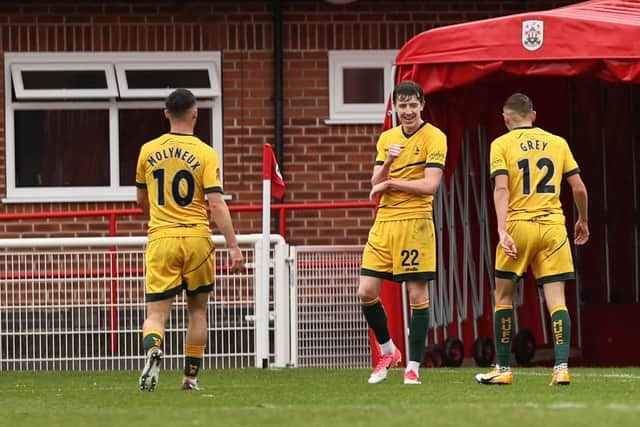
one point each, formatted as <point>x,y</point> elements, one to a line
<point>321,163</point>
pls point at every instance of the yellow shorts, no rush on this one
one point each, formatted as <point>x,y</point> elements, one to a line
<point>544,247</point>
<point>177,263</point>
<point>401,250</point>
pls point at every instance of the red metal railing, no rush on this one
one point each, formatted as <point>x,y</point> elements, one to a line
<point>114,213</point>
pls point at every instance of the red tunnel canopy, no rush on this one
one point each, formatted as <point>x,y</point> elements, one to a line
<point>600,38</point>
<point>467,70</point>
<point>581,66</point>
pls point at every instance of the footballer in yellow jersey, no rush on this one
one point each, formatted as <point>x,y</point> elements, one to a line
<point>177,179</point>
<point>177,170</point>
<point>401,244</point>
<point>527,165</point>
<point>536,161</point>
<point>424,148</point>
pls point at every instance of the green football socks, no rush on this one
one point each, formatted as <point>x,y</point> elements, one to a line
<point>418,331</point>
<point>503,332</point>
<point>561,330</point>
<point>377,319</point>
<point>151,338</point>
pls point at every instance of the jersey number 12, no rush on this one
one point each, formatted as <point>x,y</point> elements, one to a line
<point>543,186</point>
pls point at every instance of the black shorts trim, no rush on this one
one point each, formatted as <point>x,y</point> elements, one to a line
<point>508,275</point>
<point>200,290</point>
<point>378,274</point>
<point>423,275</point>
<point>562,277</point>
<point>171,293</point>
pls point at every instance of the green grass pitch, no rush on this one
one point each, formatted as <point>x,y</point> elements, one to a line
<point>317,397</point>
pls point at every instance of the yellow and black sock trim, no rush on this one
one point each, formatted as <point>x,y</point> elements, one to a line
<point>194,350</point>
<point>420,306</point>
<point>193,355</point>
<point>152,338</point>
<point>370,303</point>
<point>557,308</point>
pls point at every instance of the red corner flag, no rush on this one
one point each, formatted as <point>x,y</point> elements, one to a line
<point>271,171</point>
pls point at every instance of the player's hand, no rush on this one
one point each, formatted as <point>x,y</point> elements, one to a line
<point>379,188</point>
<point>394,151</point>
<point>581,233</point>
<point>237,260</point>
<point>508,245</point>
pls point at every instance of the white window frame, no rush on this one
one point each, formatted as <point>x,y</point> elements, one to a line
<point>341,113</point>
<point>126,92</point>
<point>57,61</point>
<point>111,91</point>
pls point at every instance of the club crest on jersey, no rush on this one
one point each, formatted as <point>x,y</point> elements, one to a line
<point>532,34</point>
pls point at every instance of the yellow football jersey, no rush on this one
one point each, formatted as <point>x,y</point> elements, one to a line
<point>178,170</point>
<point>535,162</point>
<point>426,147</point>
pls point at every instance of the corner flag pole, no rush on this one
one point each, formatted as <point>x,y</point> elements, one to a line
<point>272,184</point>
<point>262,291</point>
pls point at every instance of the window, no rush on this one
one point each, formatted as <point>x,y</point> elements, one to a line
<point>59,81</point>
<point>360,82</point>
<point>146,80</point>
<point>75,122</point>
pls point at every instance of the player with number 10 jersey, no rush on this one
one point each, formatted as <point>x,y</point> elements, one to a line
<point>178,170</point>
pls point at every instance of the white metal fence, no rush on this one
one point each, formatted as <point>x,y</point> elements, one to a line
<point>328,328</point>
<point>79,305</point>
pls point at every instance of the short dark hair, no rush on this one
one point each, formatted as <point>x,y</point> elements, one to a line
<point>408,88</point>
<point>180,101</point>
<point>519,103</point>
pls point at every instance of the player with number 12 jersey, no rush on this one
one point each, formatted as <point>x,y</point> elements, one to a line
<point>535,161</point>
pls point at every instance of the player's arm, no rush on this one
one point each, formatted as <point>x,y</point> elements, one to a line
<point>381,172</point>
<point>142,199</point>
<point>142,194</point>
<point>427,185</point>
<point>581,199</point>
<point>222,218</point>
<point>501,203</point>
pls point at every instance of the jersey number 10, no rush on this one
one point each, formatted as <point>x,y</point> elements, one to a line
<point>181,175</point>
